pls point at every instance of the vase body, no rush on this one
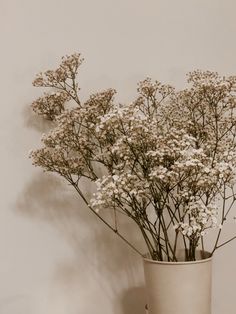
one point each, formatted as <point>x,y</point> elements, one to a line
<point>178,287</point>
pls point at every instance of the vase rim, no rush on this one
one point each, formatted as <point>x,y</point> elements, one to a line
<point>147,259</point>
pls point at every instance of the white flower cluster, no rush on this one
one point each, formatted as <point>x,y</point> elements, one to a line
<point>67,70</point>
<point>51,105</point>
<point>55,160</point>
<point>150,89</point>
<point>200,218</point>
<point>125,188</point>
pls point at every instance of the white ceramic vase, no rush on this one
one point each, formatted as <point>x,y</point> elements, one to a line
<point>179,287</point>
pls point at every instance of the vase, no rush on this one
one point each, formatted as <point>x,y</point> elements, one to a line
<point>179,287</point>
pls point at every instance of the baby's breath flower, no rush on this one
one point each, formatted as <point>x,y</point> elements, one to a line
<point>51,105</point>
<point>166,156</point>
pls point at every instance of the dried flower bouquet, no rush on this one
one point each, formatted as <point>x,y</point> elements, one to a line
<point>168,158</point>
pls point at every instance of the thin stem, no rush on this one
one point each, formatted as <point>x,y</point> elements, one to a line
<point>222,222</point>
<point>176,240</point>
<point>202,244</point>
<point>218,246</point>
<point>103,220</point>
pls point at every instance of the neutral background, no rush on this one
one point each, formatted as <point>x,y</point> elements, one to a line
<point>55,257</point>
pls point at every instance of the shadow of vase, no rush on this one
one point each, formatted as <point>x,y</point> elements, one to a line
<point>134,300</point>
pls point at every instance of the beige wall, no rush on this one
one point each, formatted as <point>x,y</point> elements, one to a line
<point>55,258</point>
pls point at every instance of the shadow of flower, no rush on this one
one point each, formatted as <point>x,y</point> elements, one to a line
<point>100,260</point>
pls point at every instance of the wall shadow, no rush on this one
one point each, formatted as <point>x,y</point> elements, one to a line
<point>33,121</point>
<point>100,259</point>
<point>134,301</point>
